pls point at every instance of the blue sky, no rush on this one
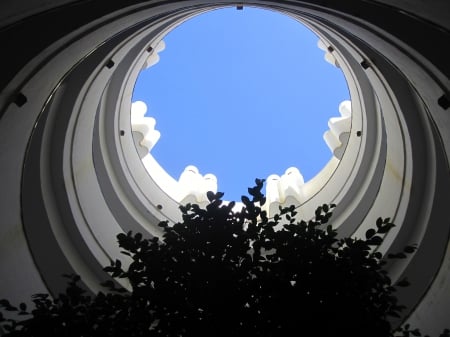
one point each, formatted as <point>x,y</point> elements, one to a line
<point>241,94</point>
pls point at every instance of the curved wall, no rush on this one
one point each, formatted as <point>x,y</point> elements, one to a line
<point>72,177</point>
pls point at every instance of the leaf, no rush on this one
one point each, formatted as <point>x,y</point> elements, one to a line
<point>245,200</point>
<point>385,228</point>
<point>40,296</point>
<point>379,222</point>
<point>163,224</point>
<point>121,236</point>
<point>400,256</point>
<point>410,249</point>
<point>375,241</point>
<point>318,211</point>
<point>252,191</point>
<point>416,332</point>
<point>259,182</point>
<point>393,314</point>
<point>107,283</point>
<point>329,229</point>
<point>378,255</point>
<point>262,201</point>
<point>210,195</point>
<point>4,303</point>
<point>403,283</point>
<point>370,233</point>
<point>445,333</point>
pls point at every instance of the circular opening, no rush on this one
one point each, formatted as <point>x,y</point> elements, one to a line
<point>241,94</point>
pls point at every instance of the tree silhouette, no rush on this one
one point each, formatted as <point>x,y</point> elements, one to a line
<point>222,272</point>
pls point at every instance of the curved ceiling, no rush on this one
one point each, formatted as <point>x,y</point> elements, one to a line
<point>73,176</point>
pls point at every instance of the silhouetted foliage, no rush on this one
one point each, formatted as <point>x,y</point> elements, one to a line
<point>233,273</point>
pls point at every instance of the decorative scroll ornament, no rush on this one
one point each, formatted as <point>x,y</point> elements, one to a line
<point>144,134</point>
<point>329,57</point>
<point>339,133</point>
<point>154,55</point>
<point>286,189</point>
<point>193,186</point>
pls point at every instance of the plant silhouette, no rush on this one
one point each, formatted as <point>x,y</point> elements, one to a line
<point>222,272</point>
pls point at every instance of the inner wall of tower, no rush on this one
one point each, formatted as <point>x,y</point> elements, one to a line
<point>74,177</point>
